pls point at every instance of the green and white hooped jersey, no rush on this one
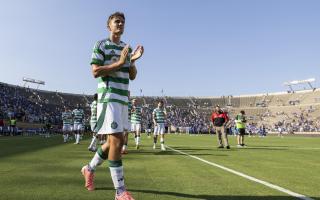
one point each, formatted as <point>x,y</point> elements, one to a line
<point>93,118</point>
<point>159,115</point>
<point>114,87</point>
<point>78,116</point>
<point>67,118</point>
<point>136,113</point>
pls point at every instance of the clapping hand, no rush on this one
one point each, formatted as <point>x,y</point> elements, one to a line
<point>137,53</point>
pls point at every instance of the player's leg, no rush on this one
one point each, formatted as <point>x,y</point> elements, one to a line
<point>155,136</point>
<point>117,117</point>
<point>125,142</point>
<point>64,133</point>
<point>162,132</point>
<point>102,153</point>
<point>68,130</point>
<point>218,133</point>
<point>138,135</point>
<point>75,133</point>
<point>133,130</point>
<point>93,144</point>
<point>78,132</point>
<point>242,140</point>
<point>225,137</point>
<point>239,139</point>
<point>88,170</point>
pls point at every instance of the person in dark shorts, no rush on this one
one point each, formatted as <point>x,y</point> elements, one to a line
<point>241,126</point>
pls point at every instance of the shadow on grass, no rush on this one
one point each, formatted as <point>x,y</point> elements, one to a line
<point>265,148</point>
<point>19,144</point>
<point>208,197</point>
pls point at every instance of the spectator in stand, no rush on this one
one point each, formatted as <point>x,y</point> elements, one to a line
<point>219,120</point>
<point>1,125</point>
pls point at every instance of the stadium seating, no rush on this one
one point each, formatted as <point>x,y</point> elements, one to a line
<point>35,106</point>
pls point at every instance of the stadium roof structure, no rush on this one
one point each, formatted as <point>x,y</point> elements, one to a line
<point>31,80</point>
<point>300,82</point>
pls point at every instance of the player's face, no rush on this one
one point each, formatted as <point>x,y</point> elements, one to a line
<point>218,109</point>
<point>116,25</point>
<point>135,102</point>
<point>160,105</point>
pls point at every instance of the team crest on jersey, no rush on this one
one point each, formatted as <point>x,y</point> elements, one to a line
<point>114,125</point>
<point>112,52</point>
<point>114,59</point>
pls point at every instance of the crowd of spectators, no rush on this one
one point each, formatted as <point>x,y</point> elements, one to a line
<point>28,105</point>
<point>31,106</point>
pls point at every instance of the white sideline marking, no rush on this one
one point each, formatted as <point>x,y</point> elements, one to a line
<point>270,185</point>
<point>265,147</point>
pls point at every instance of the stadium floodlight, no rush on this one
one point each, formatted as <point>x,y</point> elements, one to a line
<point>300,82</point>
<point>31,80</point>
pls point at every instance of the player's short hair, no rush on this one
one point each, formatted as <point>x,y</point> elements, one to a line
<point>116,14</point>
<point>95,97</point>
<point>161,101</point>
<point>242,112</point>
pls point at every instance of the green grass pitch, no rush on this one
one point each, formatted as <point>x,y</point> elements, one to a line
<point>33,168</point>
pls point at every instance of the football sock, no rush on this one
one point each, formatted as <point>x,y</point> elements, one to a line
<point>97,159</point>
<point>116,170</point>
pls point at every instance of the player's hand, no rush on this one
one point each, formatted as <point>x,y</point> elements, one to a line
<point>137,53</point>
<point>124,54</point>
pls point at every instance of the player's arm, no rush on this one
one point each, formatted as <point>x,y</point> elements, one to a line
<point>226,118</point>
<point>165,113</point>
<point>104,70</point>
<point>132,71</point>
<point>154,118</point>
<point>212,117</point>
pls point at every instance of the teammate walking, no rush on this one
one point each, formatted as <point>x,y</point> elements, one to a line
<point>67,124</point>
<point>136,116</point>
<point>78,116</point>
<point>93,123</point>
<point>159,116</point>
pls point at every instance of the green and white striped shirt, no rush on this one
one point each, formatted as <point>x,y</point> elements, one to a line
<point>67,118</point>
<point>114,87</point>
<point>78,116</point>
<point>159,115</point>
<point>93,118</point>
<point>136,115</point>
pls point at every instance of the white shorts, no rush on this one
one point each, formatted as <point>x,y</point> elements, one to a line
<point>77,127</point>
<point>159,129</point>
<point>67,128</point>
<point>93,126</point>
<point>112,118</point>
<point>135,127</point>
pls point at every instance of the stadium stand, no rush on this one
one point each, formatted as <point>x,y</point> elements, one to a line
<point>294,112</point>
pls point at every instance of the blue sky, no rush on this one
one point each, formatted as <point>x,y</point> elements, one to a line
<point>192,47</point>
